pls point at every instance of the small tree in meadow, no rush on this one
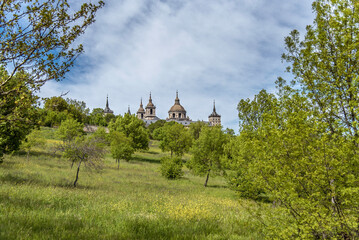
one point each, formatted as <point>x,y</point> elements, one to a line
<point>32,140</point>
<point>83,151</point>
<point>207,151</point>
<point>121,147</point>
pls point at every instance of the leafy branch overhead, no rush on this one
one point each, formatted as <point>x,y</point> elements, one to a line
<point>39,37</point>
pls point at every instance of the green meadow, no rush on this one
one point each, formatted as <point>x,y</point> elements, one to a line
<point>38,201</point>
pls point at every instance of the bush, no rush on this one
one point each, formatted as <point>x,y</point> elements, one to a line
<point>171,168</point>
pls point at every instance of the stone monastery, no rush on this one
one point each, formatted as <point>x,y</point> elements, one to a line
<point>176,113</point>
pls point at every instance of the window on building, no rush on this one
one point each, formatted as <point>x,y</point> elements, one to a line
<point>179,115</point>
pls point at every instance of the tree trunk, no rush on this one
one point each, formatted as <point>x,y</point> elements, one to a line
<point>205,184</point>
<point>77,174</point>
<point>118,164</point>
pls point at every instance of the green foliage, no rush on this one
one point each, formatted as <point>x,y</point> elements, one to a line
<point>175,138</point>
<point>57,109</point>
<point>18,112</point>
<point>133,128</point>
<point>171,168</point>
<point>207,151</point>
<point>154,126</point>
<point>97,118</point>
<point>24,46</point>
<point>70,129</point>
<point>121,147</point>
<point>195,128</point>
<point>32,140</point>
<point>101,136</point>
<point>56,104</point>
<point>301,146</point>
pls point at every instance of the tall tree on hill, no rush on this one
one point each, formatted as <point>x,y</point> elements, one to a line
<point>133,128</point>
<point>175,138</point>
<point>207,151</point>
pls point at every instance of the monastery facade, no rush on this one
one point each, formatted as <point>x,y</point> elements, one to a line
<point>176,113</point>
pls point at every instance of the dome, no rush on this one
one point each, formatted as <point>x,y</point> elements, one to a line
<point>177,108</point>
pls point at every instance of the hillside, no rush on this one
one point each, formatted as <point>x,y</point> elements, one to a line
<point>37,201</point>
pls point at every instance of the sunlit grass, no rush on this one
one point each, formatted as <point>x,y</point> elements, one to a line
<point>37,201</point>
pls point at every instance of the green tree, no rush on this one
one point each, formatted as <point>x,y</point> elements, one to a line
<point>36,44</point>
<point>195,128</point>
<point>97,117</point>
<point>153,126</point>
<point>57,104</point>
<point>176,139</point>
<point>133,128</point>
<point>83,151</point>
<point>207,151</point>
<point>32,140</point>
<point>121,147</point>
<point>18,112</point>
<point>303,152</point>
<point>171,168</point>
<point>70,129</point>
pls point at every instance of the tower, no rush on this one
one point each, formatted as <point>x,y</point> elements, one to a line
<point>150,111</point>
<point>107,109</point>
<point>141,111</point>
<point>214,119</point>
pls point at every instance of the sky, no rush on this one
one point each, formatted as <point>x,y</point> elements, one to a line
<point>222,50</point>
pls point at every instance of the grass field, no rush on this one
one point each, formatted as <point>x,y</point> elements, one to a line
<point>37,201</point>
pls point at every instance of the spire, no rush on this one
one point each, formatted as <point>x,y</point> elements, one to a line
<point>177,101</point>
<point>150,100</point>
<point>214,105</point>
<point>141,105</point>
<point>107,102</point>
<point>129,111</point>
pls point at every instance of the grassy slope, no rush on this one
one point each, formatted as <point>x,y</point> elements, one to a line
<point>37,201</point>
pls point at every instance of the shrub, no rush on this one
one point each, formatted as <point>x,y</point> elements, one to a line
<point>171,168</point>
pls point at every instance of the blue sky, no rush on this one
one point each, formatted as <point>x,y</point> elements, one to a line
<point>225,50</point>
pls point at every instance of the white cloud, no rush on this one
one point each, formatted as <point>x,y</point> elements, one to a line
<point>207,49</point>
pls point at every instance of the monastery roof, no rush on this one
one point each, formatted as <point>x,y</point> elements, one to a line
<point>177,107</point>
<point>141,110</point>
<point>214,113</point>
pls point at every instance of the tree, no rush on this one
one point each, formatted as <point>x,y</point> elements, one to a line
<point>171,168</point>
<point>176,139</point>
<point>153,126</point>
<point>303,148</point>
<point>33,140</point>
<point>195,129</point>
<point>36,40</point>
<point>83,150</point>
<point>38,36</point>
<point>96,117</point>
<point>121,147</point>
<point>70,129</point>
<point>133,128</point>
<point>18,112</point>
<point>207,151</point>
